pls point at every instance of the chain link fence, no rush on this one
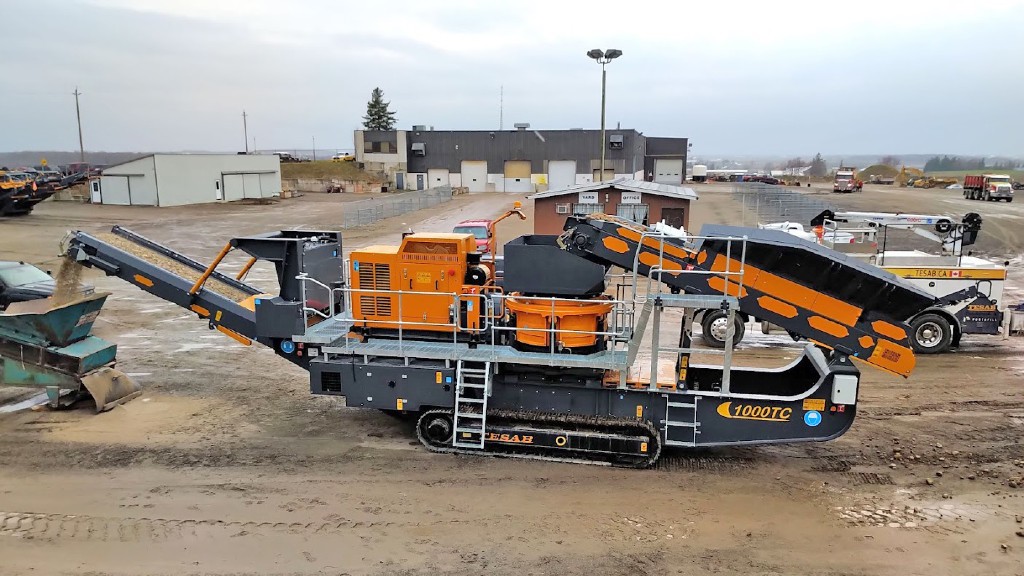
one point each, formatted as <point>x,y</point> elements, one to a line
<point>369,211</point>
<point>764,203</point>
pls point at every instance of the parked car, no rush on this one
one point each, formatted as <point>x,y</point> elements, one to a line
<point>21,282</point>
<point>479,229</point>
<point>343,158</point>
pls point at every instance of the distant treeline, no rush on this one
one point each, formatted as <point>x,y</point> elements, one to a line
<point>59,158</point>
<point>947,163</point>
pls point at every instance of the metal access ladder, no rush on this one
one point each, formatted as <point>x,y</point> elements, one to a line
<point>681,425</point>
<point>472,387</point>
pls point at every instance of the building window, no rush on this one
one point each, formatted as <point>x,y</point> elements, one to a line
<point>419,149</point>
<point>636,212</point>
<point>587,209</point>
<point>615,142</point>
<point>562,208</point>
<point>377,147</point>
<point>385,147</point>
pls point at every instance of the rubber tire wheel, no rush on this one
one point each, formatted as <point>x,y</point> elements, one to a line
<point>708,321</point>
<point>933,321</point>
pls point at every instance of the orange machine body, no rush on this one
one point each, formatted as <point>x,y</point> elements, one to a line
<point>415,284</point>
<point>574,322</point>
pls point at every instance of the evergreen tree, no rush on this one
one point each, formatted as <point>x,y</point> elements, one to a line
<point>378,117</point>
<point>818,167</point>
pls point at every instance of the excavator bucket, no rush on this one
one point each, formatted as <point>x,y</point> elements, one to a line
<point>110,387</point>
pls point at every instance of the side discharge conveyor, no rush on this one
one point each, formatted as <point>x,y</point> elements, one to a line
<point>819,294</point>
<point>549,365</point>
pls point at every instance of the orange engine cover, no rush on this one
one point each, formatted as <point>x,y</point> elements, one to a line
<point>414,283</point>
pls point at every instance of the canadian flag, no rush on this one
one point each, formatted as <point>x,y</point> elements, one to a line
<point>954,274</point>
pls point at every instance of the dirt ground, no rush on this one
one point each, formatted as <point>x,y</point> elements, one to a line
<point>227,465</point>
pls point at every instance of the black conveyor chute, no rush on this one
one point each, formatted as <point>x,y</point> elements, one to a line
<point>807,289</point>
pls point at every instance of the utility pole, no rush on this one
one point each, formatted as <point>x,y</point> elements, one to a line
<point>501,108</point>
<point>78,114</point>
<point>245,129</point>
<point>314,148</point>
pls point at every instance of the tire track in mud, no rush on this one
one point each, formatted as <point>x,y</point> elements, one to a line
<point>144,529</point>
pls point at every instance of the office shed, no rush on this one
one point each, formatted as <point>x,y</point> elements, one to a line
<point>179,179</point>
<point>639,201</point>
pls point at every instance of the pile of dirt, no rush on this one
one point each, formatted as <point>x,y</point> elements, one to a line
<point>68,280</point>
<point>880,170</point>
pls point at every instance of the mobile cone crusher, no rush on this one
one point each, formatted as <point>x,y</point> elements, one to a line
<point>545,365</point>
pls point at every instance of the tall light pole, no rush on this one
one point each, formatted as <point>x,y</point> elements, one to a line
<point>314,148</point>
<point>78,114</point>
<point>245,129</point>
<point>603,58</point>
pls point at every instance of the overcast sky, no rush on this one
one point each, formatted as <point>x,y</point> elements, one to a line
<point>752,77</point>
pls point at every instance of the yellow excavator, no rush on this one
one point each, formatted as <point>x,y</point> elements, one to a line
<point>934,182</point>
<point>908,176</point>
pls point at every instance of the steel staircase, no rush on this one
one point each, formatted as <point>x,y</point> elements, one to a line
<point>472,387</point>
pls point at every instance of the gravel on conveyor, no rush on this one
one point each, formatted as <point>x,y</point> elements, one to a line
<point>171,265</point>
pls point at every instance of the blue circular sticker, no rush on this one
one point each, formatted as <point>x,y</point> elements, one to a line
<point>812,418</point>
<point>287,346</point>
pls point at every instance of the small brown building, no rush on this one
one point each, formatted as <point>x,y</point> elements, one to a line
<point>643,202</point>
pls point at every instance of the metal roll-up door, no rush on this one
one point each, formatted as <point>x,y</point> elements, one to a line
<point>116,190</point>
<point>474,175</point>
<point>234,188</point>
<point>251,186</point>
<point>561,174</point>
<point>437,177</point>
<point>517,176</point>
<point>668,171</point>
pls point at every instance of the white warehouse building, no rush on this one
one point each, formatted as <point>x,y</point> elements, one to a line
<point>178,179</point>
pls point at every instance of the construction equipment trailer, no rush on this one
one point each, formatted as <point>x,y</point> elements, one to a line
<point>550,366</point>
<point>968,290</point>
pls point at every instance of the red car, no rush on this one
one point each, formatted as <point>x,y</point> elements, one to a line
<point>478,228</point>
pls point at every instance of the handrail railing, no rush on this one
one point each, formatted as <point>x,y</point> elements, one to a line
<point>620,319</point>
<point>488,326</point>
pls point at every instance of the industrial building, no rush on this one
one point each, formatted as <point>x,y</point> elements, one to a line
<point>178,179</point>
<point>520,160</point>
<point>639,201</point>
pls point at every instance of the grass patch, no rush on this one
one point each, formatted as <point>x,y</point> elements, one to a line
<point>1017,175</point>
<point>326,169</point>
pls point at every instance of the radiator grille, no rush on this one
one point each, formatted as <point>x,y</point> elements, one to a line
<point>330,382</point>
<point>375,277</point>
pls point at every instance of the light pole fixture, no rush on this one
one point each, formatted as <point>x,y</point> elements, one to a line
<point>603,57</point>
